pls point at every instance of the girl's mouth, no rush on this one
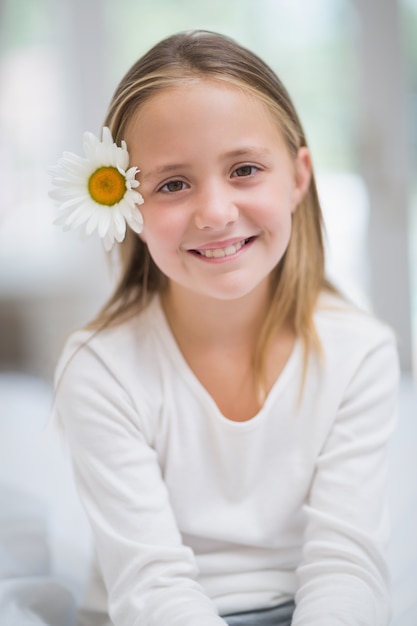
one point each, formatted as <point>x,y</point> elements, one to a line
<point>218,253</point>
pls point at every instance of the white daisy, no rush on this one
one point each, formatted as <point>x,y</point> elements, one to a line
<point>98,192</point>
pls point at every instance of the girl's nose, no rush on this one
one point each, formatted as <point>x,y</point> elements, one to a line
<point>214,208</point>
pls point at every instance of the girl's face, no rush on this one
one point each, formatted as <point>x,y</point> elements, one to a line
<point>219,187</point>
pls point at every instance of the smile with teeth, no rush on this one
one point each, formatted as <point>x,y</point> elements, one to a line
<point>218,253</point>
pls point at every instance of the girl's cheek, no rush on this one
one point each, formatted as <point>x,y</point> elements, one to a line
<point>161,221</point>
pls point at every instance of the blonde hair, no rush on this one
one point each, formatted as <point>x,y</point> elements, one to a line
<point>299,277</point>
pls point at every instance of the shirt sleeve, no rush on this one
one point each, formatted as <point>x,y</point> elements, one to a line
<point>343,578</point>
<point>150,576</point>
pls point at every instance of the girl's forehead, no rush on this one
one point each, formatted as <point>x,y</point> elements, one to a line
<point>191,96</point>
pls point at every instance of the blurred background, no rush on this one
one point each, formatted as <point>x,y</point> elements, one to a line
<point>351,68</point>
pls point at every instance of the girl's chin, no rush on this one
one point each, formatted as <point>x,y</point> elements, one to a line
<point>226,289</point>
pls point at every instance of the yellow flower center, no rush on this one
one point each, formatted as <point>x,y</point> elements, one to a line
<point>107,185</point>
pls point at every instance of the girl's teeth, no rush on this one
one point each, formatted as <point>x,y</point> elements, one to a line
<point>218,253</point>
<point>232,249</point>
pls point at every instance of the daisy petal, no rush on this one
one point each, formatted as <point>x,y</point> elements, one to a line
<point>135,222</point>
<point>108,241</point>
<point>105,221</point>
<point>93,221</point>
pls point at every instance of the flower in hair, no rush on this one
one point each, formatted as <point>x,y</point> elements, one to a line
<point>98,192</point>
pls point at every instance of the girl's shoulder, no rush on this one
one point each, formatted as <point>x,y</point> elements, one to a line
<point>118,347</point>
<point>346,324</point>
<point>354,346</point>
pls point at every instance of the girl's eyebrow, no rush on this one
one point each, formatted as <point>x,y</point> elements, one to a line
<point>164,169</point>
<point>248,150</point>
<point>238,152</point>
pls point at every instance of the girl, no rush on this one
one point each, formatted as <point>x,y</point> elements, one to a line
<point>228,411</point>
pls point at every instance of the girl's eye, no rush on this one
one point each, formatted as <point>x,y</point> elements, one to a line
<point>244,170</point>
<point>172,186</point>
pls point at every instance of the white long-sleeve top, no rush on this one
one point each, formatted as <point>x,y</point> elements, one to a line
<point>195,515</point>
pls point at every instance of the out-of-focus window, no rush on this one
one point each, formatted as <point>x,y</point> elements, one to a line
<point>32,112</point>
<point>409,27</point>
<point>49,282</point>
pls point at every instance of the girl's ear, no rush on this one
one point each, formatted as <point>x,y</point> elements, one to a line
<point>302,175</point>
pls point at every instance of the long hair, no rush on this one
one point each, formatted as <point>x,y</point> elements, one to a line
<point>299,276</point>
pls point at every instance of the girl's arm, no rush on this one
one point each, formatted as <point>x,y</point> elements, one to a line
<point>343,577</point>
<point>148,573</point>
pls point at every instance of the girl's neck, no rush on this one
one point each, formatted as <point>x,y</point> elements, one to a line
<point>207,320</point>
<point>219,341</point>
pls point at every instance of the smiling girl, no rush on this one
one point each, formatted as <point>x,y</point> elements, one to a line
<point>228,411</point>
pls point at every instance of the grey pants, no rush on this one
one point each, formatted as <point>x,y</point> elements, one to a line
<point>277,616</point>
<point>280,615</point>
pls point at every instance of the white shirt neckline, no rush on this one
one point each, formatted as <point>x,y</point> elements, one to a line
<point>173,352</point>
